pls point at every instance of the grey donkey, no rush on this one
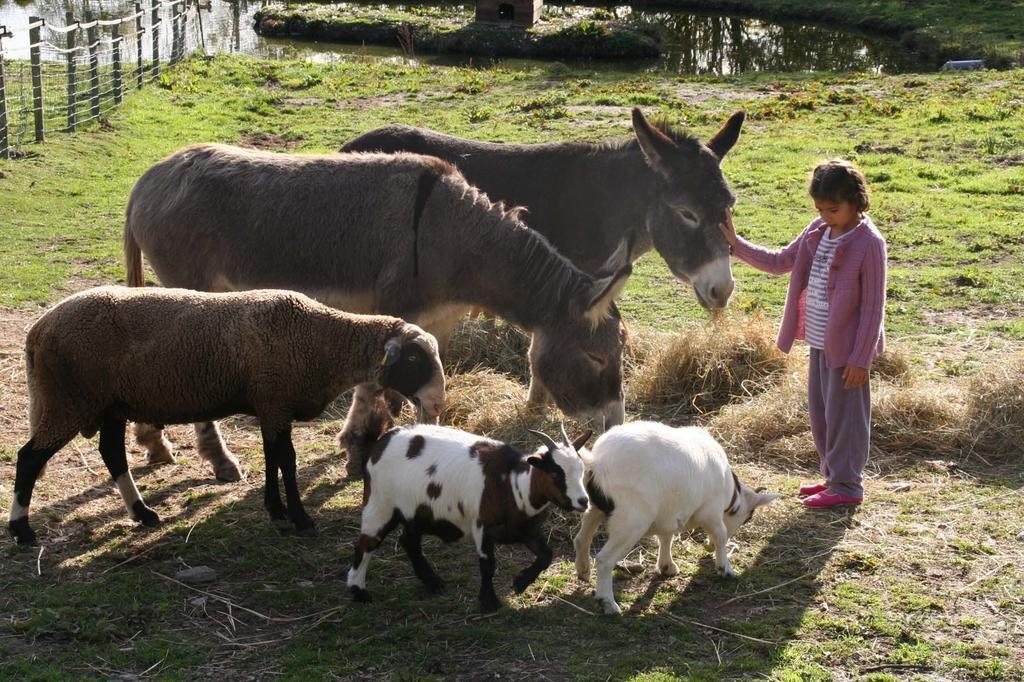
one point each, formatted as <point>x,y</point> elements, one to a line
<point>401,235</point>
<point>663,188</point>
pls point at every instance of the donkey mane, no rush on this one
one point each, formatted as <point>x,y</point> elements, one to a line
<point>554,278</point>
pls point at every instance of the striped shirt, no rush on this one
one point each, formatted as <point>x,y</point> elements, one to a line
<point>816,306</point>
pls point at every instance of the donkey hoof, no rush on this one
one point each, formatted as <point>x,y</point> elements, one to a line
<point>228,471</point>
<point>142,513</point>
<point>22,532</point>
<point>159,456</point>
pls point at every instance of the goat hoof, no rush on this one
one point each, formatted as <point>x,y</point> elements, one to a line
<point>610,607</point>
<point>360,595</point>
<point>306,529</point>
<point>726,572</point>
<point>145,515</point>
<point>434,587</point>
<point>669,571</point>
<point>23,532</point>
<point>521,583</point>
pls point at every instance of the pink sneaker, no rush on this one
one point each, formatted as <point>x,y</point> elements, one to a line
<point>827,498</point>
<point>811,489</point>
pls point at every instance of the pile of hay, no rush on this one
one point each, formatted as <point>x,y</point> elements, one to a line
<point>995,412</point>
<point>708,366</point>
<point>730,374</point>
<point>488,343</point>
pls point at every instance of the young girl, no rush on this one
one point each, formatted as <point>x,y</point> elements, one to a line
<point>836,303</point>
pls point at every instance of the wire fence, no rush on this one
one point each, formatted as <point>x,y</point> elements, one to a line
<point>74,74</point>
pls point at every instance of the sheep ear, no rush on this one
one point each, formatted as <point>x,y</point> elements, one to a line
<point>392,351</point>
<point>581,440</point>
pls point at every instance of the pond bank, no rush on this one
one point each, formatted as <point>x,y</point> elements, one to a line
<point>938,29</point>
<point>452,29</point>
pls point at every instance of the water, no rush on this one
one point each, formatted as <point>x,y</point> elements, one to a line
<point>692,43</point>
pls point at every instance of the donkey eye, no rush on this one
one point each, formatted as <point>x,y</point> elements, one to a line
<point>413,357</point>
<point>688,214</point>
<point>597,359</point>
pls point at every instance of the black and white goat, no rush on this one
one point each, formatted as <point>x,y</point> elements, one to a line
<point>441,481</point>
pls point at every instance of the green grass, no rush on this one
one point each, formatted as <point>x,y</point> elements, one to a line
<point>924,581</point>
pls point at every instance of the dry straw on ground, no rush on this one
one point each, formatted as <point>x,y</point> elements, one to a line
<point>729,375</point>
<point>710,365</point>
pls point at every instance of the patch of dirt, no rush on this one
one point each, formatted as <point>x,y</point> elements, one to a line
<point>693,93</point>
<point>362,103</point>
<point>269,141</point>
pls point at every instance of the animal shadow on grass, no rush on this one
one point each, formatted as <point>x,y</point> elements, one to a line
<point>797,550</point>
<point>77,532</point>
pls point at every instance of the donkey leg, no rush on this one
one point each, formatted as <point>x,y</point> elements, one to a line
<point>116,459</point>
<point>214,450</point>
<point>31,460</point>
<point>158,448</point>
<point>537,396</point>
<point>355,422</point>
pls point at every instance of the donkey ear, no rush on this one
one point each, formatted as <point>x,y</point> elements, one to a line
<point>620,258</point>
<point>725,138</point>
<point>581,440</point>
<point>602,292</point>
<point>655,145</point>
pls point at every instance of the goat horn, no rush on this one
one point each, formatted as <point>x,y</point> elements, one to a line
<point>545,438</point>
<point>565,436</point>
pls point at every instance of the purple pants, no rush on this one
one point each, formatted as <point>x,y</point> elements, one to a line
<point>840,425</point>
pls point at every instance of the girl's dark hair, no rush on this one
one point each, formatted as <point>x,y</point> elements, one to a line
<point>839,180</point>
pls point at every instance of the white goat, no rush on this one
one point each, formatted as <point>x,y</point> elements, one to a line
<point>647,479</point>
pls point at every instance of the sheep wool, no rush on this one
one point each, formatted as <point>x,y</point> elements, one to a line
<point>168,356</point>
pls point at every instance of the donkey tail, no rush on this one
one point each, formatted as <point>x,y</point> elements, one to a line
<point>132,256</point>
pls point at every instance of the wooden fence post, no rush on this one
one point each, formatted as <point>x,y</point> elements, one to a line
<point>5,145</point>
<point>94,65</point>
<point>115,36</point>
<point>138,44</point>
<point>154,30</point>
<point>176,27</point>
<point>69,19</point>
<point>34,36</point>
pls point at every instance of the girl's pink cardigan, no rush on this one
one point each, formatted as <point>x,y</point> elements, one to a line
<point>856,290</point>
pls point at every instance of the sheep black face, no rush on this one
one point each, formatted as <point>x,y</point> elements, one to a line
<point>412,367</point>
<point>562,482</point>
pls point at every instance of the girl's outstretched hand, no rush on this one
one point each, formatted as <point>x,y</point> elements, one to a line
<point>854,376</point>
<point>728,231</point>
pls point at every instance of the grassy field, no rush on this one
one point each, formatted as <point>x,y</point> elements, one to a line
<point>924,581</point>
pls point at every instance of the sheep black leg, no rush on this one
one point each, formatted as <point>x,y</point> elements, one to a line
<point>412,543</point>
<point>30,463</point>
<point>114,456</point>
<point>271,493</point>
<point>489,601</point>
<point>281,450</point>
<point>543,553</point>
